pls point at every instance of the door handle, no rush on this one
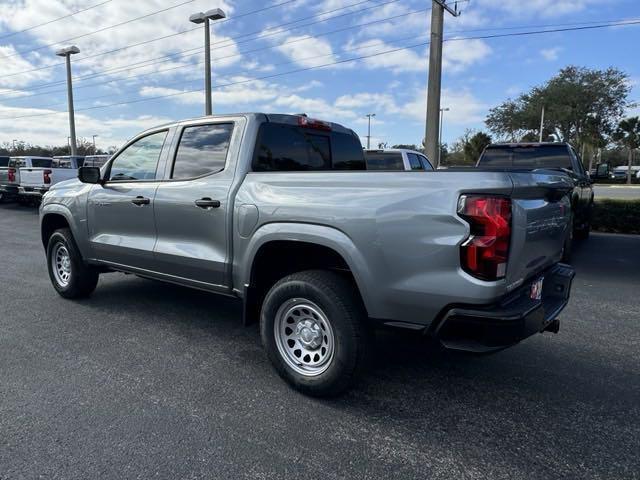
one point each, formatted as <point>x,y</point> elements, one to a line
<point>140,201</point>
<point>207,203</point>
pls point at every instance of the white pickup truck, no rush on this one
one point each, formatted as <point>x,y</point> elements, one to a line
<point>11,177</point>
<point>36,181</point>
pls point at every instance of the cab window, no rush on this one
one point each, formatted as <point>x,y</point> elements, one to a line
<point>202,150</point>
<point>139,161</point>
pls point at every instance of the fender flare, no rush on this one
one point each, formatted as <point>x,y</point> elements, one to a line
<point>63,211</point>
<point>322,235</point>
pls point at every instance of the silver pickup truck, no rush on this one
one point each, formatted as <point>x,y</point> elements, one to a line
<point>280,212</point>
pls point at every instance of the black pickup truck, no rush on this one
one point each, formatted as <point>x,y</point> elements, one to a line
<point>548,156</point>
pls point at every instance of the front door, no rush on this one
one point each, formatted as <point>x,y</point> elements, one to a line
<point>192,207</point>
<point>121,211</point>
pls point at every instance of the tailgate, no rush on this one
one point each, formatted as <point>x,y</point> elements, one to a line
<point>32,177</point>
<point>541,219</point>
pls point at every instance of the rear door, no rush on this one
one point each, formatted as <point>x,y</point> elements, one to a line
<point>120,213</point>
<point>193,204</point>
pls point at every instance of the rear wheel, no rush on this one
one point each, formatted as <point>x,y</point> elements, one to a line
<point>69,275</point>
<point>313,329</point>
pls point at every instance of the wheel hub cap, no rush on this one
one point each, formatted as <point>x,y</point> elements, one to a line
<point>61,265</point>
<point>304,336</point>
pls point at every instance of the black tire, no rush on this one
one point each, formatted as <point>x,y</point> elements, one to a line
<point>83,279</point>
<point>583,233</point>
<point>339,301</point>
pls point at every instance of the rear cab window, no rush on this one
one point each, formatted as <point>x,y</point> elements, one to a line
<point>527,156</point>
<point>385,161</point>
<point>294,148</point>
<point>4,161</point>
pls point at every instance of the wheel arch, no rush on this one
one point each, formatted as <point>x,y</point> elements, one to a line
<point>54,217</point>
<point>302,246</point>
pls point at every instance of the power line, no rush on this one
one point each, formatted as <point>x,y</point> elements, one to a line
<point>338,62</point>
<point>182,82</point>
<point>54,20</point>
<point>191,51</point>
<point>87,57</point>
<point>270,47</point>
<point>97,31</point>
<point>260,34</point>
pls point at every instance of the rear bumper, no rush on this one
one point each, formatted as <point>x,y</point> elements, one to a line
<point>490,328</point>
<point>32,191</point>
<point>9,189</point>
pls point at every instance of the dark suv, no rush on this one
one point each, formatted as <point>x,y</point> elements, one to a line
<point>548,156</point>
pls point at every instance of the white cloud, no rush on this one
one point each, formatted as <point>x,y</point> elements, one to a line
<point>545,8</point>
<point>20,15</point>
<point>398,62</point>
<point>14,64</point>
<point>459,55</point>
<point>465,108</point>
<point>302,50</point>
<point>550,54</point>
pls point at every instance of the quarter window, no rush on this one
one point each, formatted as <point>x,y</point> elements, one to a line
<point>414,161</point>
<point>426,164</point>
<point>139,161</point>
<point>202,150</point>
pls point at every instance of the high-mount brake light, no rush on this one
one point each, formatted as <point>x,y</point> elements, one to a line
<point>307,122</point>
<point>485,253</point>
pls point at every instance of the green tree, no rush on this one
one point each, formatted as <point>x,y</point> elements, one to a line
<point>628,135</point>
<point>475,145</point>
<point>581,105</point>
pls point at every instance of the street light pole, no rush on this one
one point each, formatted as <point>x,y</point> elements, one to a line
<point>94,143</point>
<point>442,110</point>
<point>369,115</point>
<point>200,17</point>
<point>67,52</point>
<point>435,74</point>
<point>541,123</point>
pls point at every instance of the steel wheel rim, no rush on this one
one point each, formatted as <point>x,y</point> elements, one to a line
<point>304,337</point>
<point>61,264</point>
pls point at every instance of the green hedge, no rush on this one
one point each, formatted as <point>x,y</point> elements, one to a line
<point>616,216</point>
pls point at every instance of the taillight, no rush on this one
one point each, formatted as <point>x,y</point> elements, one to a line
<point>11,175</point>
<point>486,252</point>
<point>47,176</point>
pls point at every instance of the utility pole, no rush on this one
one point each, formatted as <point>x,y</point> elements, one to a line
<point>94,143</point>
<point>206,17</point>
<point>67,52</point>
<point>435,74</point>
<point>369,115</point>
<point>442,110</point>
<point>541,123</point>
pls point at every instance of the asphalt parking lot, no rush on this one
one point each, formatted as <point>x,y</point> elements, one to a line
<point>149,380</point>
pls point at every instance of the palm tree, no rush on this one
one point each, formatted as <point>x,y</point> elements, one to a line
<point>628,135</point>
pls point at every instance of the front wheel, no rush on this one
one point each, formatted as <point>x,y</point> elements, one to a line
<point>69,275</point>
<point>313,329</point>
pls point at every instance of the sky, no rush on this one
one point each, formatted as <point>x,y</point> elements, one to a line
<point>335,60</point>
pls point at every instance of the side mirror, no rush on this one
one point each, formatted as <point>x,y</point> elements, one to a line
<point>89,175</point>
